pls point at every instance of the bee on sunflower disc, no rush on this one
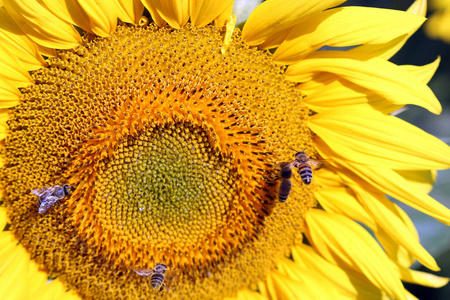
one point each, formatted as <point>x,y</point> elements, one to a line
<point>304,164</point>
<point>48,196</point>
<point>158,275</point>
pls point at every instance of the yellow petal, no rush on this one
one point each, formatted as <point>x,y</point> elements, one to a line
<point>150,5</point>
<point>283,287</point>
<point>9,95</point>
<point>308,280</point>
<point>13,70</point>
<point>382,77</point>
<point>326,91</point>
<point>7,249</point>
<point>42,26</point>
<point>3,218</point>
<point>349,283</point>
<point>391,183</point>
<point>423,73</point>
<point>343,201</point>
<point>36,281</point>
<point>325,177</point>
<point>419,7</point>
<point>57,290</point>
<point>386,51</point>
<point>20,277</point>
<point>174,12</point>
<point>70,11</point>
<point>263,22</point>
<point>386,215</point>
<point>49,52</point>
<point>422,278</point>
<point>14,39</point>
<point>370,137</point>
<point>223,17</point>
<point>343,27</point>
<point>133,10</point>
<point>13,279</point>
<point>4,117</point>
<point>423,180</point>
<point>340,240</point>
<point>274,40</point>
<point>12,283</point>
<point>203,12</point>
<point>396,253</point>
<point>262,287</point>
<point>102,16</point>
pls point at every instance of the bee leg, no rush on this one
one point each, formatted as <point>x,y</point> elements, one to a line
<point>269,180</point>
<point>163,286</point>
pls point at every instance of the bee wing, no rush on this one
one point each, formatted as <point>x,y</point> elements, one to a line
<point>46,202</point>
<point>170,274</point>
<point>41,192</point>
<point>143,272</point>
<point>316,163</point>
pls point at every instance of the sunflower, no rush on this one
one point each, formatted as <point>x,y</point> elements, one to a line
<point>157,132</point>
<point>438,26</point>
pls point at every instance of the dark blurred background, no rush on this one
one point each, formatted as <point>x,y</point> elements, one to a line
<point>421,50</point>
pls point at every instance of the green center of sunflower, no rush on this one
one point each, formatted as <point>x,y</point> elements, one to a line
<point>168,187</point>
<point>166,143</point>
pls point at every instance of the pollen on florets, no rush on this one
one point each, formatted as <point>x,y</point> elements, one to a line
<point>166,142</point>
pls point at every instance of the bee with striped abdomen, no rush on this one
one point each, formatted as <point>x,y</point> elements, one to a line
<point>157,275</point>
<point>304,164</point>
<point>48,196</point>
<point>286,183</point>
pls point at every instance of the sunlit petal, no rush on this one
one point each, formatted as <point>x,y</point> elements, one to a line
<point>133,10</point>
<point>203,12</point>
<point>343,201</point>
<point>15,40</point>
<point>382,77</point>
<point>263,22</point>
<point>335,28</point>
<point>370,137</point>
<point>42,26</point>
<point>349,283</point>
<point>386,51</point>
<point>174,12</point>
<point>391,183</point>
<point>336,238</point>
<point>386,215</point>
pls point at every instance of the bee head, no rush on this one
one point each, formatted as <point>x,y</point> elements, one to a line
<point>301,156</point>
<point>67,189</point>
<point>160,268</point>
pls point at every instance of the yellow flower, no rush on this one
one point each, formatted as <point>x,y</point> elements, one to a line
<point>438,26</point>
<point>170,129</point>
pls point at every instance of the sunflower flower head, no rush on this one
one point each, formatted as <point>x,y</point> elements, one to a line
<point>170,140</point>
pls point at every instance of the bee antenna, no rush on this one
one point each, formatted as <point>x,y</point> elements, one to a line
<point>293,149</point>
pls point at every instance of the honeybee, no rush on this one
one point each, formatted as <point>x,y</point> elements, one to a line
<point>304,167</point>
<point>157,275</point>
<point>303,164</point>
<point>286,184</point>
<point>48,196</point>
